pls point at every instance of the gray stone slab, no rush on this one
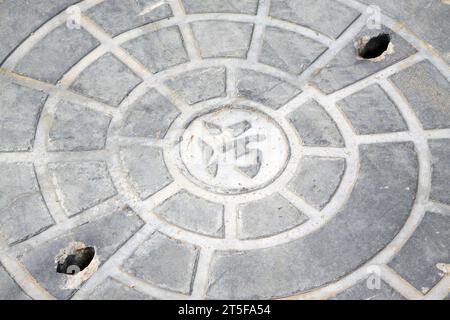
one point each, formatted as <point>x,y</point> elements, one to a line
<point>106,235</point>
<point>154,260</point>
<point>370,111</point>
<point>77,128</point>
<point>269,216</point>
<point>428,93</point>
<point>9,289</point>
<point>315,127</point>
<point>317,179</point>
<point>23,212</point>
<point>107,80</point>
<point>150,116</point>
<point>440,178</point>
<point>20,109</point>
<point>361,291</point>
<point>326,16</point>
<point>158,50</point>
<point>193,213</point>
<point>60,49</point>
<point>416,262</point>
<point>234,38</point>
<point>289,51</point>
<point>117,16</point>
<point>375,212</point>
<point>111,289</point>
<point>146,169</point>
<point>226,6</point>
<point>347,68</point>
<point>265,89</point>
<point>199,85</point>
<point>81,185</point>
<point>18,19</point>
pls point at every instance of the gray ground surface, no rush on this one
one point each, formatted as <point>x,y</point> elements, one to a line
<point>225,149</point>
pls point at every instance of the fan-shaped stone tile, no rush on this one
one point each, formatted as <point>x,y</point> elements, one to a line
<point>289,51</point>
<point>370,220</point>
<point>146,169</point>
<point>370,111</point>
<point>77,128</point>
<point>315,126</point>
<point>199,85</point>
<point>361,291</point>
<point>193,213</point>
<point>81,185</point>
<point>111,289</point>
<point>60,50</point>
<point>269,216</point>
<point>20,109</point>
<point>265,89</point>
<point>427,247</point>
<point>9,289</point>
<point>223,39</point>
<point>150,116</point>
<point>317,179</point>
<point>107,80</point>
<point>440,179</point>
<point>158,50</point>
<point>18,19</point>
<point>106,235</point>
<point>226,6</point>
<point>347,67</point>
<point>154,261</point>
<point>23,212</point>
<point>117,16</point>
<point>326,16</point>
<point>428,93</point>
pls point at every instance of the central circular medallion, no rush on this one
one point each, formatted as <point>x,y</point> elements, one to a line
<point>234,150</point>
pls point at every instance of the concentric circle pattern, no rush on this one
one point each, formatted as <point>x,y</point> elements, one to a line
<point>224,149</point>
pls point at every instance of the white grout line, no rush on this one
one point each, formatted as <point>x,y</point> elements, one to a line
<point>200,285</point>
<point>258,30</point>
<point>186,31</point>
<point>399,284</point>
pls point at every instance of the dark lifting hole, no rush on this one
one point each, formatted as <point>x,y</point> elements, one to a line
<point>76,262</point>
<point>375,47</point>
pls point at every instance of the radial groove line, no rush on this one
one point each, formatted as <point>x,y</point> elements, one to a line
<point>23,278</point>
<point>347,36</point>
<point>59,90</point>
<point>385,137</point>
<point>200,284</point>
<point>399,284</point>
<point>437,134</point>
<point>326,152</point>
<point>438,207</point>
<point>231,82</point>
<point>231,220</point>
<point>186,31</point>
<point>295,103</point>
<point>117,259</point>
<point>378,76</point>
<point>137,67</point>
<point>300,203</point>
<point>258,31</point>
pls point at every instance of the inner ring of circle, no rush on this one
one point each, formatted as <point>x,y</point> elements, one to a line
<point>272,172</point>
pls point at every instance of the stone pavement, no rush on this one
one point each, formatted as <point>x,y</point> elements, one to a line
<point>224,149</point>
